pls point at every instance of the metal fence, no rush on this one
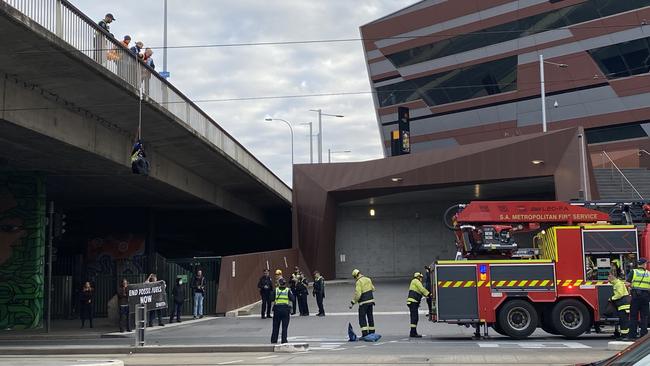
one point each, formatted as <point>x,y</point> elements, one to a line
<point>64,20</point>
<point>187,268</point>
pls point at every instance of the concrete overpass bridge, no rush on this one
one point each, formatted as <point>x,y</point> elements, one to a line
<point>69,97</point>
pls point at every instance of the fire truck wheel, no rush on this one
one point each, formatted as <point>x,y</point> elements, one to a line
<point>498,329</point>
<point>570,318</point>
<point>517,319</point>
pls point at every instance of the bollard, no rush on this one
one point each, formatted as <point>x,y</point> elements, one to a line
<point>140,324</point>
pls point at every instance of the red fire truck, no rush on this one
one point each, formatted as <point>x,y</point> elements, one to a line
<point>558,282</point>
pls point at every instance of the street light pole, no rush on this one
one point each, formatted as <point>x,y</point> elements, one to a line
<point>320,130</point>
<point>330,152</point>
<point>542,86</point>
<point>165,38</point>
<point>543,90</point>
<point>311,142</point>
<point>320,135</point>
<point>268,119</point>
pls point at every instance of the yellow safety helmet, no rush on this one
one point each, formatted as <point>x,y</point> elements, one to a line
<point>355,273</point>
<point>417,275</point>
<point>278,272</point>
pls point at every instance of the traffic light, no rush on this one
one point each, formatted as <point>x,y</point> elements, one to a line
<point>58,225</point>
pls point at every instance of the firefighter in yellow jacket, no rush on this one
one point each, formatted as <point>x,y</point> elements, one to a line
<point>621,299</point>
<point>363,295</point>
<point>416,292</point>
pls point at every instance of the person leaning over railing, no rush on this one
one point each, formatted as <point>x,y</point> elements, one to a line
<point>100,46</point>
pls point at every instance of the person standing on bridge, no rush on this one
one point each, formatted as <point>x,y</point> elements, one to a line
<point>265,285</point>
<point>639,279</point>
<point>101,45</point>
<point>416,291</point>
<point>363,295</point>
<point>281,310</point>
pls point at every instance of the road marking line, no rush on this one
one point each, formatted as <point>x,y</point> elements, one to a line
<point>230,362</point>
<point>488,345</point>
<point>392,342</point>
<point>378,344</point>
<point>360,346</point>
<point>267,357</point>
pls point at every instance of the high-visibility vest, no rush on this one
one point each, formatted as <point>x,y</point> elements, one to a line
<point>416,291</point>
<point>363,293</point>
<point>620,296</point>
<point>281,296</point>
<point>640,279</point>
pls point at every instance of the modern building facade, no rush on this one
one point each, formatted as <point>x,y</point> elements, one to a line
<point>469,70</point>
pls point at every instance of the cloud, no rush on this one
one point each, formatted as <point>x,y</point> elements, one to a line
<point>269,70</point>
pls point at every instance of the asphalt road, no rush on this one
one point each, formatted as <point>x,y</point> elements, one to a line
<point>327,337</point>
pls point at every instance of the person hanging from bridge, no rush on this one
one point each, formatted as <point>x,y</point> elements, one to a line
<point>416,292</point>
<point>139,163</point>
<point>363,295</point>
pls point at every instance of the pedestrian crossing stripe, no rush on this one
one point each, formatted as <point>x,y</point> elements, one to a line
<point>544,283</point>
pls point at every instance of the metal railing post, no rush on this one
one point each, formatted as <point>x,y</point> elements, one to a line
<point>58,21</point>
<point>622,175</point>
<point>140,324</point>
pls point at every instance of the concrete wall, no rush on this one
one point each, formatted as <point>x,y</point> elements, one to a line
<point>398,241</point>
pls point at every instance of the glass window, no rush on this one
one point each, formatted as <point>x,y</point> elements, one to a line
<point>623,59</point>
<point>589,10</point>
<point>615,133</point>
<point>470,82</point>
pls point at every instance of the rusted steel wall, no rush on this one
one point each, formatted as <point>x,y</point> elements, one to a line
<point>240,273</point>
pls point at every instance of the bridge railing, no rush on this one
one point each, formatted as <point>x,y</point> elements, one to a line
<point>69,24</point>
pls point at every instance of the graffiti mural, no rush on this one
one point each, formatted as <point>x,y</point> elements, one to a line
<point>22,250</point>
<point>116,254</point>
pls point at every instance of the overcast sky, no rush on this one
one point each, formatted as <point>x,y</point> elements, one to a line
<point>270,70</point>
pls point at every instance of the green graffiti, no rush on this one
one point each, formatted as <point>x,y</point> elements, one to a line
<point>22,250</point>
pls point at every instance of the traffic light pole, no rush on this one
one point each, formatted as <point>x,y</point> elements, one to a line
<point>50,239</point>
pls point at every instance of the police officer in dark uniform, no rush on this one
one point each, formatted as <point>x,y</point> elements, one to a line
<point>639,279</point>
<point>281,311</point>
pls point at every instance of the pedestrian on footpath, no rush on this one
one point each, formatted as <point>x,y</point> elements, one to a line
<point>265,285</point>
<point>281,310</point>
<point>621,300</point>
<point>303,294</point>
<point>123,305</point>
<point>363,295</point>
<point>179,299</point>
<point>319,292</point>
<point>416,291</point>
<point>198,290</point>
<point>639,279</point>
<point>86,300</point>
<point>157,312</point>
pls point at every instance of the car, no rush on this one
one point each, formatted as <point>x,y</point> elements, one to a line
<point>637,354</point>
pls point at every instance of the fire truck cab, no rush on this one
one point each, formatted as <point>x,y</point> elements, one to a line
<point>561,287</point>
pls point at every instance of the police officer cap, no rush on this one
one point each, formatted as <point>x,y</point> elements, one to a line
<point>417,275</point>
<point>278,272</point>
<point>282,281</point>
<point>642,261</point>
